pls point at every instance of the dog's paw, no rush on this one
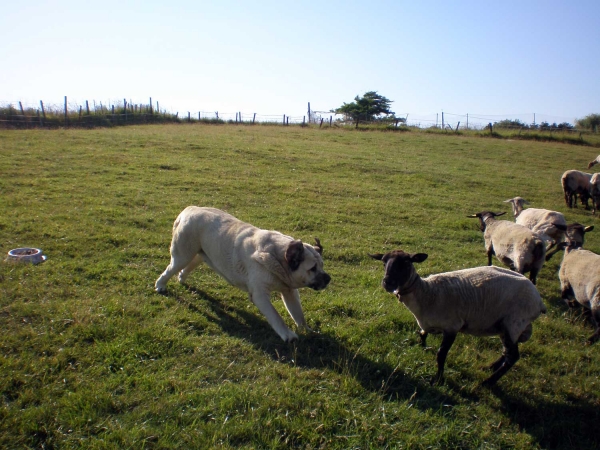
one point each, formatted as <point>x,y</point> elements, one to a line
<point>160,289</point>
<point>290,336</point>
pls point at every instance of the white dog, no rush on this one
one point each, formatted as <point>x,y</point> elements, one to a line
<point>254,260</point>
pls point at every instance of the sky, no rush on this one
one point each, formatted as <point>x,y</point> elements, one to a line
<point>525,60</point>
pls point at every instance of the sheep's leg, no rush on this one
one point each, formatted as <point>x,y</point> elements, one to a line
<point>509,358</point>
<point>447,341</point>
<point>490,253</point>
<point>498,363</point>
<point>423,334</point>
<point>596,319</point>
<point>533,273</point>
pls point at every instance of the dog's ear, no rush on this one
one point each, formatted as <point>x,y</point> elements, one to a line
<point>318,247</point>
<point>294,254</point>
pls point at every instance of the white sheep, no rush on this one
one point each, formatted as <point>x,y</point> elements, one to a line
<point>579,277</point>
<point>482,301</point>
<point>595,192</point>
<point>594,162</point>
<point>551,225</point>
<point>514,245</point>
<point>575,182</point>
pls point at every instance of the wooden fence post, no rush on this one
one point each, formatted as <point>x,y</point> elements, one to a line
<point>457,125</point>
<point>284,119</point>
<point>43,111</point>
<point>254,118</point>
<point>66,117</point>
<point>189,117</point>
<point>198,116</point>
<point>150,105</point>
<point>217,113</point>
<point>330,119</point>
<point>321,124</point>
<point>80,110</point>
<point>125,108</point>
<point>87,107</point>
<point>22,110</point>
<point>40,118</point>
<point>303,120</point>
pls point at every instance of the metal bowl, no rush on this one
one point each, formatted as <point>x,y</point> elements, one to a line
<point>26,255</point>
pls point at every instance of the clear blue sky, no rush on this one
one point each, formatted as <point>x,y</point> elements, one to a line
<point>486,58</point>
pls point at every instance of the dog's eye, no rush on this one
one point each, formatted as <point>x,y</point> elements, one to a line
<point>313,268</point>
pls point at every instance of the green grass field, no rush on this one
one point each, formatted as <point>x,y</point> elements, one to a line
<point>92,357</point>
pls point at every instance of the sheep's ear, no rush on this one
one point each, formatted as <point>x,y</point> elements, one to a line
<point>418,257</point>
<point>496,214</point>
<point>587,229</point>
<point>377,256</point>
<point>473,216</point>
<point>510,200</point>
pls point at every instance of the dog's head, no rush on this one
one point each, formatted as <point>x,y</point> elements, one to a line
<point>306,265</point>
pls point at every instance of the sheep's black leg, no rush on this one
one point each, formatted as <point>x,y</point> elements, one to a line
<point>423,334</point>
<point>489,255</point>
<point>596,319</point>
<point>496,364</point>
<point>533,275</point>
<point>510,357</point>
<point>447,341</point>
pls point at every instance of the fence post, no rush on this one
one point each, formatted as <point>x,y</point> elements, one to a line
<point>125,108</point>
<point>321,124</point>
<point>303,120</point>
<point>22,110</point>
<point>198,116</point>
<point>284,119</point>
<point>189,117</point>
<point>457,125</point>
<point>330,119</point>
<point>288,120</point>
<point>150,105</point>
<point>254,118</point>
<point>43,111</point>
<point>87,107</point>
<point>217,113</point>
<point>66,117</point>
<point>80,110</point>
<point>40,118</point>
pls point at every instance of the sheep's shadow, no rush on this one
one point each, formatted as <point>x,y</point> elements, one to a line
<point>573,424</point>
<point>319,351</point>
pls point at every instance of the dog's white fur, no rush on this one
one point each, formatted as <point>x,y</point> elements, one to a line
<point>254,260</point>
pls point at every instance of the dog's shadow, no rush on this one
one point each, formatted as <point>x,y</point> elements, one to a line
<point>316,351</point>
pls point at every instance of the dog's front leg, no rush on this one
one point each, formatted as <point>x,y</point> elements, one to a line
<point>291,300</point>
<point>262,300</point>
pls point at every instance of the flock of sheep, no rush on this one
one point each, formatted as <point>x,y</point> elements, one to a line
<point>485,301</point>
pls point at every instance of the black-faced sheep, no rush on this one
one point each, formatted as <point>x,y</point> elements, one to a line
<point>595,192</point>
<point>579,277</point>
<point>575,236</point>
<point>551,225</point>
<point>575,182</point>
<point>514,245</point>
<point>483,301</point>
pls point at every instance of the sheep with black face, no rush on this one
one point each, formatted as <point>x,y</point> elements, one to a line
<point>482,301</point>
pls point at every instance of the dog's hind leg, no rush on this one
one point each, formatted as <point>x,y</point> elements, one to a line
<point>180,259</point>
<point>183,274</point>
<point>291,300</point>
<point>262,300</point>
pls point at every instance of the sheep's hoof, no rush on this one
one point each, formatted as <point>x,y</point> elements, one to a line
<point>488,383</point>
<point>436,381</point>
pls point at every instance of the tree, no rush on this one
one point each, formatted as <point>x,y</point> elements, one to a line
<point>368,107</point>
<point>589,122</point>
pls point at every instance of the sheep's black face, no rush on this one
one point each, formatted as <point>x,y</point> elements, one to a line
<point>398,268</point>
<point>576,234</point>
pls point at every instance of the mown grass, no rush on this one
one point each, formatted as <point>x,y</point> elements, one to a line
<point>93,358</point>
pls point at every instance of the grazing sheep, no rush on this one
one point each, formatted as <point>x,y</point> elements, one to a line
<point>579,277</point>
<point>594,162</point>
<point>514,245</point>
<point>595,192</point>
<point>575,235</point>
<point>551,225</point>
<point>575,182</point>
<point>483,301</point>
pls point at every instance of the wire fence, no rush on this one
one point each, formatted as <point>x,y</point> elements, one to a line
<point>17,114</point>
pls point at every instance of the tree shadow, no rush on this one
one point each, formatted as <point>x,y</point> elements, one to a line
<point>320,351</point>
